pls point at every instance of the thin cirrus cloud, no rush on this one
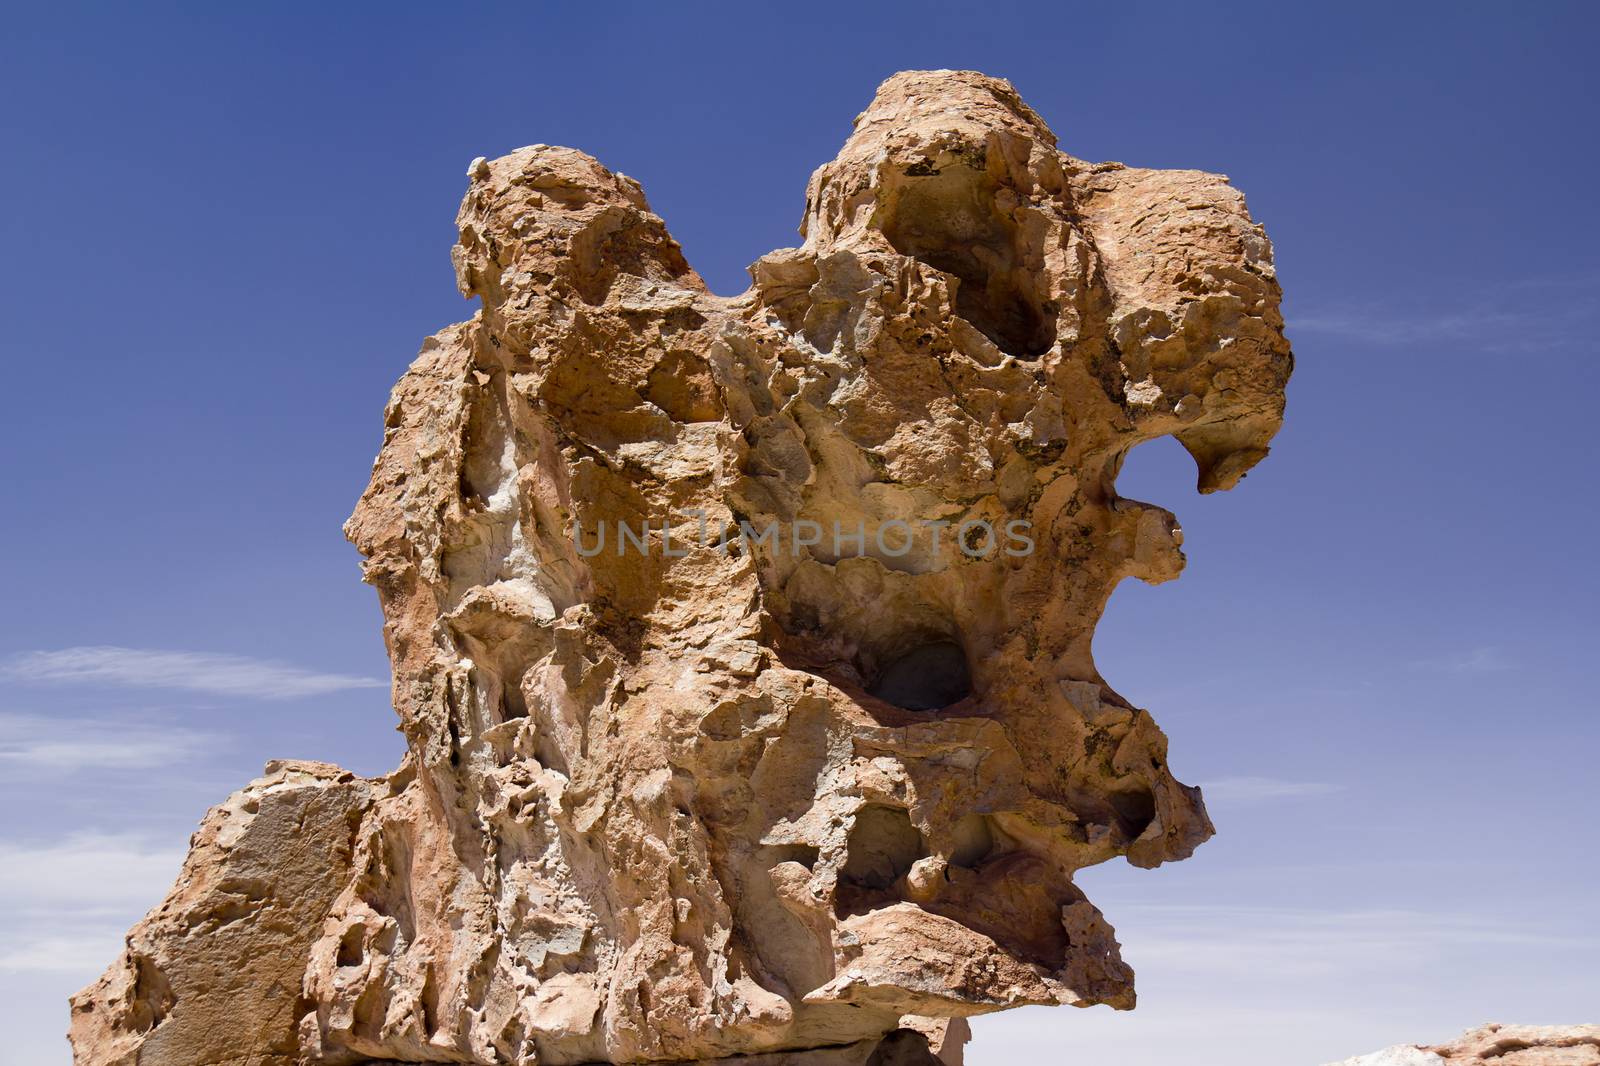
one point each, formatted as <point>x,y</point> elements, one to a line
<point>1486,329</point>
<point>1484,660</point>
<point>61,744</point>
<point>1265,986</point>
<point>65,905</point>
<point>1241,791</point>
<point>1213,939</point>
<point>192,671</point>
<point>1532,313</point>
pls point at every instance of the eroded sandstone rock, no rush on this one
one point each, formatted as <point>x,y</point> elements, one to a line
<point>1503,1045</point>
<point>812,794</point>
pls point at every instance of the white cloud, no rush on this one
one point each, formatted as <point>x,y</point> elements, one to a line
<point>1197,1029</point>
<point>86,870</point>
<point>64,745</point>
<point>1239,791</point>
<point>1485,660</point>
<point>1524,314</point>
<point>1530,314</point>
<point>224,675</point>
<point>1379,328</point>
<point>1213,940</point>
<point>1293,986</point>
<point>66,905</point>
<point>83,953</point>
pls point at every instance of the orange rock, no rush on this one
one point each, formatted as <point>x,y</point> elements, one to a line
<point>801,761</point>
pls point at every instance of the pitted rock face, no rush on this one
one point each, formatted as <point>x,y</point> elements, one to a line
<point>805,769</point>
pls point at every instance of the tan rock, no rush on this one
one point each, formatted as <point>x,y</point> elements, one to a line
<point>1503,1045</point>
<point>1526,1045</point>
<point>804,795</point>
<point>214,973</point>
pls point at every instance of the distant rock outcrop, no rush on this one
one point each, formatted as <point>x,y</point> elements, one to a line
<point>1499,1045</point>
<point>742,645</point>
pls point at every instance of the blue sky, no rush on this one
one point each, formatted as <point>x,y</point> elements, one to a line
<point>227,232</point>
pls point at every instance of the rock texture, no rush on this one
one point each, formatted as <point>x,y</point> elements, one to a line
<point>803,773</point>
<point>1502,1045</point>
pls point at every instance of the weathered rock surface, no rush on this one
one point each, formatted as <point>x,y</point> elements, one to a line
<point>214,973</point>
<point>811,795</point>
<point>1503,1045</point>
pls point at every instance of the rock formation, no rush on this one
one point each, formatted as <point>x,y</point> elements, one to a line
<point>742,645</point>
<point>1502,1045</point>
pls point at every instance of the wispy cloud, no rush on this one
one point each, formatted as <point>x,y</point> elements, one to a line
<point>1215,939</point>
<point>65,905</point>
<point>84,953</point>
<point>1485,660</point>
<point>1379,327</point>
<point>1198,1028</point>
<point>1519,315</point>
<point>1240,791</point>
<point>1245,985</point>
<point>222,675</point>
<point>85,871</point>
<point>61,744</point>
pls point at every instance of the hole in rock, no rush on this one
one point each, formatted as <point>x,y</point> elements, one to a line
<point>974,840</point>
<point>1154,470</point>
<point>903,1047</point>
<point>952,221</point>
<point>1013,898</point>
<point>1135,811</point>
<point>513,704</point>
<point>880,850</point>
<point>925,678</point>
<point>350,947</point>
<point>430,1002</point>
<point>152,996</point>
<point>804,854</point>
